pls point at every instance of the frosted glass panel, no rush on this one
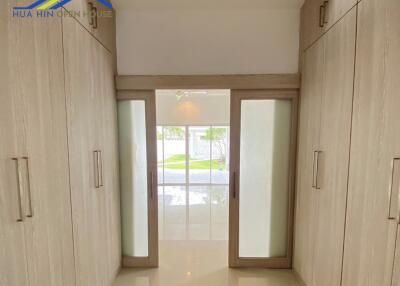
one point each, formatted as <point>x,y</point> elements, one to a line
<point>264,178</point>
<point>133,172</point>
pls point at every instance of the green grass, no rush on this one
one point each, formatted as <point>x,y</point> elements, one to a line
<point>176,159</point>
<point>177,162</point>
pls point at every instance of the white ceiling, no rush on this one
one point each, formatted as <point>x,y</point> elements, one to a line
<point>142,5</point>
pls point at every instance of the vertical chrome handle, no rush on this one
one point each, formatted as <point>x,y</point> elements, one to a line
<point>100,167</point>
<point>394,204</point>
<point>321,16</point>
<point>20,215</point>
<point>315,184</point>
<point>30,211</point>
<point>96,169</point>
<point>326,12</point>
<point>234,184</point>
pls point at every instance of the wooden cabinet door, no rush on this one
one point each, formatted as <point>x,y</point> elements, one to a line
<point>103,28</point>
<point>370,235</point>
<point>306,204</point>
<point>110,165</point>
<point>396,269</point>
<point>13,256</point>
<point>80,10</point>
<point>44,161</point>
<point>336,9</point>
<point>333,163</point>
<point>311,28</point>
<point>83,138</point>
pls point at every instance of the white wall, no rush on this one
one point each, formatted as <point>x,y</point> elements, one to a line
<point>207,41</point>
<point>210,109</point>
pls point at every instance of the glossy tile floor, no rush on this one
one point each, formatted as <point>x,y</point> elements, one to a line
<point>193,212</point>
<point>194,246</point>
<point>200,263</point>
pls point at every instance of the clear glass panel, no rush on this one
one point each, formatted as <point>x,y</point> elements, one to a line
<point>264,178</point>
<point>160,154</point>
<point>220,155</point>
<point>199,155</point>
<point>174,155</point>
<point>133,172</point>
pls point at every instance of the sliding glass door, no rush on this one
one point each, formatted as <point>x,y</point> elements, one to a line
<point>194,168</point>
<point>263,125</point>
<point>193,171</point>
<point>138,171</point>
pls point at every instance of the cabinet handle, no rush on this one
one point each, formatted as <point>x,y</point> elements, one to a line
<point>100,167</point>
<point>95,18</point>
<point>394,209</point>
<point>91,19</point>
<point>96,169</point>
<point>326,12</point>
<point>315,184</point>
<point>20,215</point>
<point>321,16</point>
<point>30,213</point>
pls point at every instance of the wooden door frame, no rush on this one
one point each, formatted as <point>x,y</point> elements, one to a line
<point>148,96</point>
<point>143,87</point>
<point>234,171</point>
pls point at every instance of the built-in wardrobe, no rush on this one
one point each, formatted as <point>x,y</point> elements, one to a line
<point>348,173</point>
<point>59,194</point>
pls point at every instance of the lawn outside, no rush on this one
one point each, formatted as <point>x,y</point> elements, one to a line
<point>178,162</point>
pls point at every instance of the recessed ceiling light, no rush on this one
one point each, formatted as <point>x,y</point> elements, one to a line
<point>181,93</point>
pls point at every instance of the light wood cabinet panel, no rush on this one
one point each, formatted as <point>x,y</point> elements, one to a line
<point>79,9</point>
<point>396,269</point>
<point>13,256</point>
<point>336,9</point>
<point>336,110</point>
<point>94,176</point>
<point>370,235</point>
<point>310,23</point>
<point>318,16</point>
<point>306,204</point>
<point>323,155</point>
<point>110,168</point>
<point>102,26</point>
<point>105,28</point>
<point>34,83</point>
<point>83,142</point>
<point>44,159</point>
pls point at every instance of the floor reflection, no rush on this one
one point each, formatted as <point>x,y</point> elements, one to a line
<point>200,263</point>
<point>193,212</point>
<point>193,245</point>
